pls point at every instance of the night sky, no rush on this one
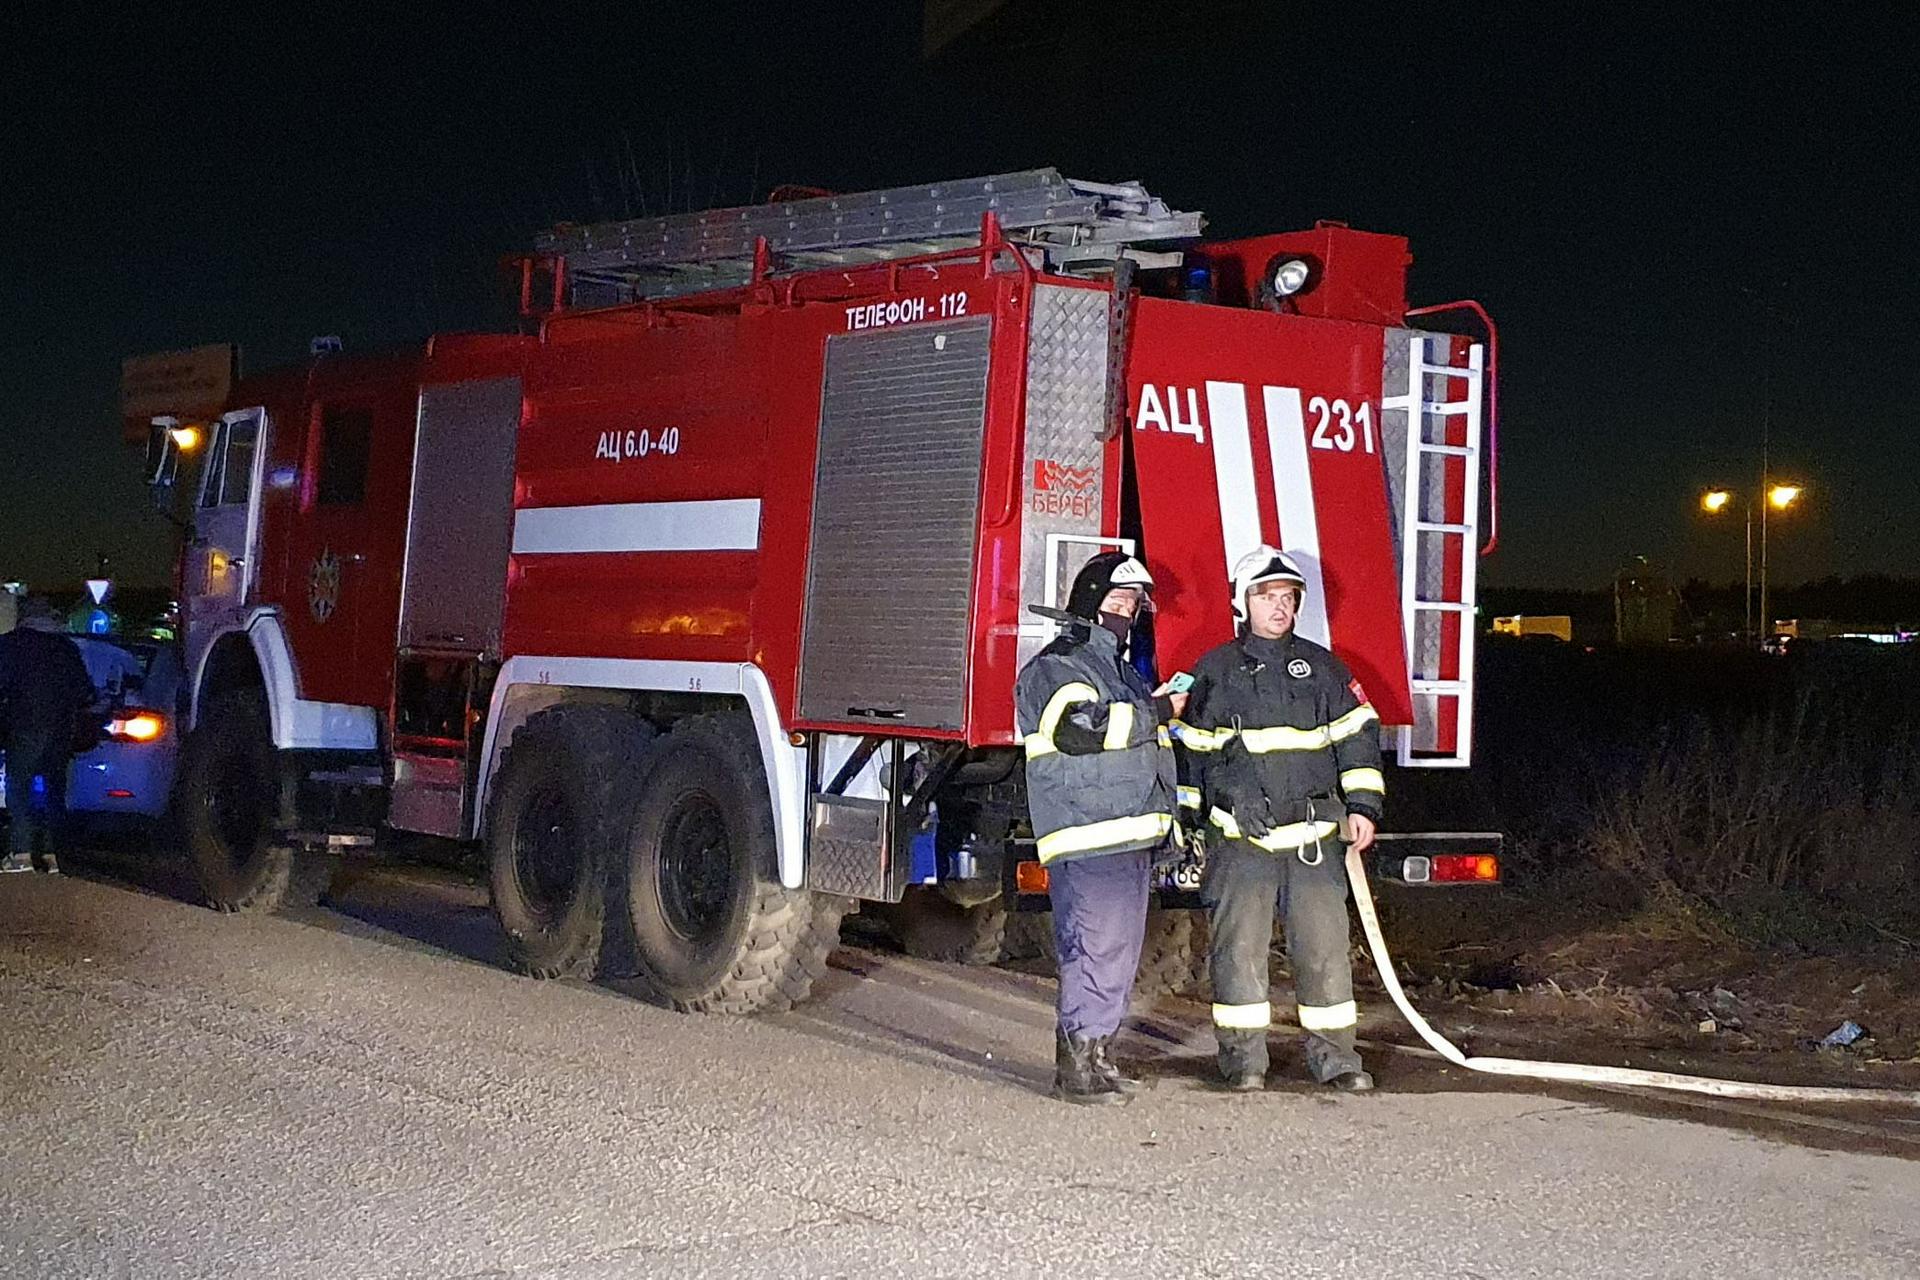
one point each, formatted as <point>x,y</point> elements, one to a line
<point>1685,230</point>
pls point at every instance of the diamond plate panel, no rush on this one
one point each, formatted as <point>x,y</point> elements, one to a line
<point>896,504</point>
<point>1066,411</point>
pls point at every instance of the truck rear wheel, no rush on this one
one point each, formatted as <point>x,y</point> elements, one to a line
<point>1173,961</point>
<point>227,794</point>
<point>552,823</point>
<point>1173,956</point>
<point>713,930</point>
<point>931,926</point>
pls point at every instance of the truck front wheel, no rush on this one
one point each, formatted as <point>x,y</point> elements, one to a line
<point>713,930</point>
<point>227,793</point>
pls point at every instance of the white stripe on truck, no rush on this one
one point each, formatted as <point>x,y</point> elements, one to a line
<point>721,524</point>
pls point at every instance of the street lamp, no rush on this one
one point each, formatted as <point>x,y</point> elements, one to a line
<point>1779,498</point>
<point>1775,497</point>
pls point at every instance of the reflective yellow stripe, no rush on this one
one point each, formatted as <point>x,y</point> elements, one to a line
<point>1189,797</point>
<point>1325,1017</point>
<point>1296,835</point>
<point>1283,738</point>
<point>1243,1017</point>
<point>1287,838</point>
<point>1352,722</point>
<point>1099,835</point>
<point>1362,780</point>
<point>1119,725</point>
<point>1037,746</point>
<point>1165,738</point>
<point>1063,697</point>
<point>1195,739</point>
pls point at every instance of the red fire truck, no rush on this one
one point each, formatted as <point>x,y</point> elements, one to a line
<point>699,602</point>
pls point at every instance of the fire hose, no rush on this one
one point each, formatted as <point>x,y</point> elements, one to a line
<point>1580,1073</point>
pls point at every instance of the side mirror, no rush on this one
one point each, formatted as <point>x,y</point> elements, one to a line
<point>163,457</point>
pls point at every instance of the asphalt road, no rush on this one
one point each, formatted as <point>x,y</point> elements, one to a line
<point>361,1092</point>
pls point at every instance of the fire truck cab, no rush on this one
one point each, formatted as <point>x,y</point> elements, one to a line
<point>700,604</point>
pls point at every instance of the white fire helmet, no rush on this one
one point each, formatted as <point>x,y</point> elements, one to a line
<point>1263,564</point>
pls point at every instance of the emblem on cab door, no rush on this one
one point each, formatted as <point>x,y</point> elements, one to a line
<point>323,585</point>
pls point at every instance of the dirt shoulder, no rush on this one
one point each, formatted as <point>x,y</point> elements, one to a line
<point>1647,984</point>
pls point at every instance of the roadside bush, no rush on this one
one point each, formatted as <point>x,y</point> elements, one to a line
<point>1795,801</point>
<point>1780,796</point>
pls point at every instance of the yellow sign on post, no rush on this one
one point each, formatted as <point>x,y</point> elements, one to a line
<point>193,383</point>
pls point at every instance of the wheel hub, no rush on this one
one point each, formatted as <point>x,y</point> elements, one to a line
<point>545,852</point>
<point>695,868</point>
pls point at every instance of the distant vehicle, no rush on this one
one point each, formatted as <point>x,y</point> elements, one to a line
<point>1556,625</point>
<point>128,777</point>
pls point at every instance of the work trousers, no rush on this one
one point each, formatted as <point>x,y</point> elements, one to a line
<point>34,821</point>
<point>1099,923</point>
<point>1243,887</point>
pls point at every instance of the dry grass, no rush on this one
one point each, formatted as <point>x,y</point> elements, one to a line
<point>1784,811</point>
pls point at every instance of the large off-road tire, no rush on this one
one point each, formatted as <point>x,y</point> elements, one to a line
<point>227,793</point>
<point>1173,961</point>
<point>712,929</point>
<point>1029,936</point>
<point>553,823</point>
<point>932,926</point>
<point>1173,956</point>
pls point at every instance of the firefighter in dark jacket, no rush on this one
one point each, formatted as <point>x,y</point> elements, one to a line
<point>1100,789</point>
<point>43,691</point>
<point>1289,751</point>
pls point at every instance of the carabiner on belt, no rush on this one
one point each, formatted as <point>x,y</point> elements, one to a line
<point>1300,852</point>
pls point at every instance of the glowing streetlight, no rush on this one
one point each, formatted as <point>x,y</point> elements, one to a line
<point>185,439</point>
<point>1770,498</point>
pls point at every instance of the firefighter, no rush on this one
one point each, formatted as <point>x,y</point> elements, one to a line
<point>1100,789</point>
<point>43,691</point>
<point>1290,756</point>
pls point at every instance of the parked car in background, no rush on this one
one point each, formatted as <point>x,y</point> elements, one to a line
<point>127,779</point>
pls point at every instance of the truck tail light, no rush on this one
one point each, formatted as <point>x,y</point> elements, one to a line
<point>136,726</point>
<point>1465,868</point>
<point>1030,877</point>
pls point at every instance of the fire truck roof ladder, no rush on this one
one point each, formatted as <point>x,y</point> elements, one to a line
<point>1440,554</point>
<point>1065,222</point>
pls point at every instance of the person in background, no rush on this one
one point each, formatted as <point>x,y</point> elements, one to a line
<point>44,690</point>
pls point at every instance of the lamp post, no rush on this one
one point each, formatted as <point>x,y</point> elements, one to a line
<point>1773,497</point>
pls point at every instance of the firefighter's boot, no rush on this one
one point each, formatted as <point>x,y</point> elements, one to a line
<point>1074,1077</point>
<point>1106,1069</point>
<point>1352,1082</point>
<point>1243,1059</point>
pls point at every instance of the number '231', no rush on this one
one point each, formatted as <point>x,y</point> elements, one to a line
<point>1339,425</point>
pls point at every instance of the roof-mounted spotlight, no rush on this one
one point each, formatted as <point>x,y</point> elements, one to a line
<point>1288,276</point>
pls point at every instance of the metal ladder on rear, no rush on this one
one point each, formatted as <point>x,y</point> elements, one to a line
<point>1440,550</point>
<point>1064,221</point>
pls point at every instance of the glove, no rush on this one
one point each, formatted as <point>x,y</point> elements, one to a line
<point>1252,817</point>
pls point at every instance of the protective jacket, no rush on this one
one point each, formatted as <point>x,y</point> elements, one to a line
<point>43,686</point>
<point>1100,770</point>
<point>1284,722</point>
